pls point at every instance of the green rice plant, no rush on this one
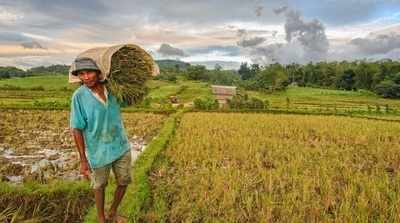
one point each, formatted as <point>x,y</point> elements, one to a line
<point>55,202</point>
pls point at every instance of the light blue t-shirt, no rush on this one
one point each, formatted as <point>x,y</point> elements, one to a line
<point>101,124</point>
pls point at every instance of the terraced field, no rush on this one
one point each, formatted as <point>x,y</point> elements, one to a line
<point>55,92</point>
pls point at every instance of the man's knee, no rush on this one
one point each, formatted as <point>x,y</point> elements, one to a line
<point>122,170</point>
<point>99,177</point>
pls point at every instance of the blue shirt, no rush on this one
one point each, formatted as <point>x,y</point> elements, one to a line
<point>101,124</point>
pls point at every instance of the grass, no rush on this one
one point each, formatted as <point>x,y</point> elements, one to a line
<point>185,91</point>
<point>48,82</point>
<point>34,202</point>
<point>277,168</point>
<point>51,91</point>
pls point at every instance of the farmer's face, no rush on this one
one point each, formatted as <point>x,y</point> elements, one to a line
<point>88,77</point>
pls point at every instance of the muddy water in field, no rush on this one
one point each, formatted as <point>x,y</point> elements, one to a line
<point>37,145</point>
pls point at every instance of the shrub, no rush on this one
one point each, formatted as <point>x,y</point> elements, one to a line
<point>205,103</point>
<point>388,89</point>
<point>166,77</point>
<point>243,102</point>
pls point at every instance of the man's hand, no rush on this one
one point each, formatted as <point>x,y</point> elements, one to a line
<point>80,144</point>
<point>85,170</point>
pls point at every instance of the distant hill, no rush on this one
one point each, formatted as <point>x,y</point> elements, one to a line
<point>53,69</point>
<point>226,65</point>
<point>171,64</point>
<point>9,72</point>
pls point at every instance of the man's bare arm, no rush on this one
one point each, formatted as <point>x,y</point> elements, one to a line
<point>80,144</point>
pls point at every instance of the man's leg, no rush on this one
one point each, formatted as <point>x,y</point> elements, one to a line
<point>118,195</point>
<point>122,171</point>
<point>99,177</point>
<point>99,197</point>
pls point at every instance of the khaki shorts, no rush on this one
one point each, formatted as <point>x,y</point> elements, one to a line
<point>121,169</point>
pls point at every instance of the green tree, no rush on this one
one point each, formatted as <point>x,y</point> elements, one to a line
<point>223,77</point>
<point>272,78</point>
<point>388,89</point>
<point>197,72</point>
<point>364,77</point>
<point>245,72</point>
<point>346,80</point>
<point>217,67</point>
<point>8,72</point>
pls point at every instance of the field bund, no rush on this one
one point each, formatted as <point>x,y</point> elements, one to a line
<point>232,167</point>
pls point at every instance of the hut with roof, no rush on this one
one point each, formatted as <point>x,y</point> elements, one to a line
<point>223,93</point>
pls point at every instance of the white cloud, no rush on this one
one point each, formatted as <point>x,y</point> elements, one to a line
<point>9,16</point>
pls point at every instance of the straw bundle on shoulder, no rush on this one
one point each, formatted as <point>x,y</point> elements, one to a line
<point>126,69</point>
<point>130,69</point>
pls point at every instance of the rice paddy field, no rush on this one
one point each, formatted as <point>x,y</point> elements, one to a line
<point>306,98</point>
<point>37,145</point>
<point>236,167</point>
<point>220,166</point>
<point>39,165</point>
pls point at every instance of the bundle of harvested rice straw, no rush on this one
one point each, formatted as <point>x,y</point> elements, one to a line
<point>126,68</point>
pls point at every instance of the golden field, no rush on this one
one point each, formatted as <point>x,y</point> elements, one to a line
<point>278,168</point>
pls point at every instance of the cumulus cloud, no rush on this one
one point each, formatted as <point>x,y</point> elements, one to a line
<point>380,44</point>
<point>168,50</point>
<point>254,41</point>
<point>305,41</point>
<point>277,53</point>
<point>229,50</point>
<point>310,34</point>
<point>247,40</point>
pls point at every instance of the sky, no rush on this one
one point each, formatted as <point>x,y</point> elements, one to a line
<point>228,32</point>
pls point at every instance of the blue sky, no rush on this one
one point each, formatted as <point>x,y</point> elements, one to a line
<point>44,32</point>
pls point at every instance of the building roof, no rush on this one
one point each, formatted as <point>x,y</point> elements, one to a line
<point>223,90</point>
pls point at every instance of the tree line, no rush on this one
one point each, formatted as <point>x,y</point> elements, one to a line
<point>381,77</point>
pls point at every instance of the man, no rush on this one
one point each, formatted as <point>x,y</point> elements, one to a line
<point>99,135</point>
